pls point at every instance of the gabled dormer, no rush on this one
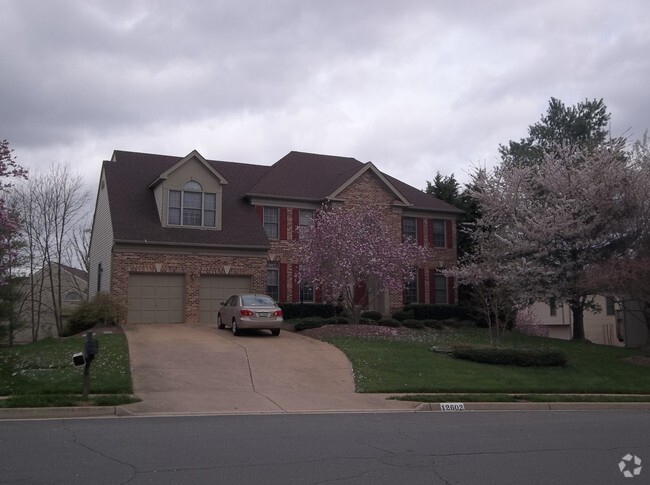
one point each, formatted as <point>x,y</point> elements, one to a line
<point>189,194</point>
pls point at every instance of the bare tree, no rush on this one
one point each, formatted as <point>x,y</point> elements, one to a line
<point>52,204</point>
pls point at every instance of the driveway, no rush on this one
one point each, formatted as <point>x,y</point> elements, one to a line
<point>182,368</point>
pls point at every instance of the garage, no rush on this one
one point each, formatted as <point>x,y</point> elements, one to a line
<point>156,298</point>
<point>217,289</point>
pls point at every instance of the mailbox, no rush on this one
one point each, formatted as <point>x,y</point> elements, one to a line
<point>78,359</point>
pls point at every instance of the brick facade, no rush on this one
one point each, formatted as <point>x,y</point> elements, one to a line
<point>193,266</point>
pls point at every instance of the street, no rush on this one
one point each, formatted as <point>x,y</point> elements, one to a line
<point>548,447</point>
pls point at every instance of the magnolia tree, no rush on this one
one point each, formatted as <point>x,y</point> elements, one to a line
<point>543,225</point>
<point>9,221</point>
<point>347,251</point>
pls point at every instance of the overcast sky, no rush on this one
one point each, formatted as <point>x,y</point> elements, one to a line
<point>413,86</point>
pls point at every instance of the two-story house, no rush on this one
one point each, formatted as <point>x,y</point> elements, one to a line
<point>175,236</point>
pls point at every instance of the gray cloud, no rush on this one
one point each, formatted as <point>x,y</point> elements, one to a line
<point>414,86</point>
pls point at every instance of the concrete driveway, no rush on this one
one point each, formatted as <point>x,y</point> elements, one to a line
<point>181,368</point>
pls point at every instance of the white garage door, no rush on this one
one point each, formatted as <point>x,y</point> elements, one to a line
<point>217,289</point>
<point>156,298</point>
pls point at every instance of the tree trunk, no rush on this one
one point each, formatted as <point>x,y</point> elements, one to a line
<point>578,313</point>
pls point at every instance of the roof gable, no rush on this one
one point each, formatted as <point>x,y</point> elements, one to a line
<point>370,167</point>
<point>193,155</point>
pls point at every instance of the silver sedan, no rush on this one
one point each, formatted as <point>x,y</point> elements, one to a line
<point>250,311</point>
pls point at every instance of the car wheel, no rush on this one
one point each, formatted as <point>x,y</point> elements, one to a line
<point>275,332</point>
<point>235,329</point>
<point>220,323</point>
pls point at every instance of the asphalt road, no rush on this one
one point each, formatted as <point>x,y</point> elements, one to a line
<point>430,448</point>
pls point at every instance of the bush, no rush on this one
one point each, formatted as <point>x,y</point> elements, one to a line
<point>342,320</point>
<point>403,315</point>
<point>437,324</point>
<point>389,322</point>
<point>367,321</point>
<point>510,356</point>
<point>312,322</point>
<point>413,323</point>
<point>436,312</point>
<point>103,309</point>
<point>306,310</point>
<point>372,315</point>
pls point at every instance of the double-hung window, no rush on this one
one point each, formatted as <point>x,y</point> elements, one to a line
<point>439,236</point>
<point>409,228</point>
<point>192,207</point>
<point>272,222</point>
<point>273,280</point>
<point>441,295</point>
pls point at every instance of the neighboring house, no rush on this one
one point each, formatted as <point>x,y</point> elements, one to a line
<point>619,323</point>
<point>37,309</point>
<point>175,236</point>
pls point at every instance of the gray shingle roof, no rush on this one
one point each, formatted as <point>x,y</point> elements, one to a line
<point>298,175</point>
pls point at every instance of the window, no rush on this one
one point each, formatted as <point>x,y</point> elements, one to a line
<point>306,293</point>
<point>271,222</point>
<point>439,240</point>
<point>609,305</point>
<point>441,289</point>
<point>99,277</point>
<point>553,306</point>
<point>411,291</point>
<point>72,296</point>
<point>409,228</point>
<point>192,207</point>
<point>273,280</point>
<point>306,217</point>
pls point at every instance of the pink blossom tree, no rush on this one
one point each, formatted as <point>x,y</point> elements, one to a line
<point>9,223</point>
<point>350,254</point>
<point>543,225</point>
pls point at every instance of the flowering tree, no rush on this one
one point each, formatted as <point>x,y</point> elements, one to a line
<point>9,221</point>
<point>543,225</point>
<point>347,250</point>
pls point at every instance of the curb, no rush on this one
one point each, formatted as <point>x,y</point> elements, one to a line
<point>58,413</point>
<point>541,406</point>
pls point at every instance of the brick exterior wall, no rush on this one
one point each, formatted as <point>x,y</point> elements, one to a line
<point>190,265</point>
<point>367,189</point>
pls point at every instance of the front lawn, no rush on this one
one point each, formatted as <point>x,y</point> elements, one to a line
<point>403,362</point>
<point>42,374</point>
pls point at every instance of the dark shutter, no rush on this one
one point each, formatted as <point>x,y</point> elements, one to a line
<point>260,213</point>
<point>451,295</point>
<point>295,284</point>
<point>420,285</point>
<point>295,223</point>
<point>420,229</point>
<point>283,223</point>
<point>283,282</point>
<point>450,234</point>
<point>432,286</point>
<point>430,231</point>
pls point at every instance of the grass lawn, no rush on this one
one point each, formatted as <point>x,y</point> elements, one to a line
<point>41,374</point>
<point>405,364</point>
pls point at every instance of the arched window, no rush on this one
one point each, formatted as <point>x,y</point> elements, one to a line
<point>72,296</point>
<point>191,206</point>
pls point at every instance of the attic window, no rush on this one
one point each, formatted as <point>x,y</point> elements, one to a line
<point>191,206</point>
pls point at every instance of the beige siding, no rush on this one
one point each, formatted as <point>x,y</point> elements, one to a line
<point>157,192</point>
<point>101,243</point>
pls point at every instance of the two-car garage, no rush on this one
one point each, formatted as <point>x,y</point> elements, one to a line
<point>160,298</point>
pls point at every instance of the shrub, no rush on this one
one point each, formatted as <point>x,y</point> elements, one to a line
<point>413,323</point>
<point>403,315</point>
<point>342,320</point>
<point>528,323</point>
<point>306,310</point>
<point>367,321</point>
<point>438,324</point>
<point>312,322</point>
<point>103,309</point>
<point>510,356</point>
<point>389,322</point>
<point>372,315</point>
<point>436,312</point>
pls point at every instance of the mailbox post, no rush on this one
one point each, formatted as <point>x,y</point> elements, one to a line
<point>91,348</point>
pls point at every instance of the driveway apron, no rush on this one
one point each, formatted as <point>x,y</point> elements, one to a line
<point>183,368</point>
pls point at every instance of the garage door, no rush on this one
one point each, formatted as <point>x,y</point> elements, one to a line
<point>156,298</point>
<point>216,289</point>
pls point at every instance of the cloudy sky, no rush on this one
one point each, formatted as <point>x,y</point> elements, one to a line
<point>416,86</point>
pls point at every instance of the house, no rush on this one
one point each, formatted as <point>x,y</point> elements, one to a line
<point>37,308</point>
<point>621,323</point>
<point>176,236</point>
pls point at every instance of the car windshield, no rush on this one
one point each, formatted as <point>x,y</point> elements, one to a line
<point>257,300</point>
